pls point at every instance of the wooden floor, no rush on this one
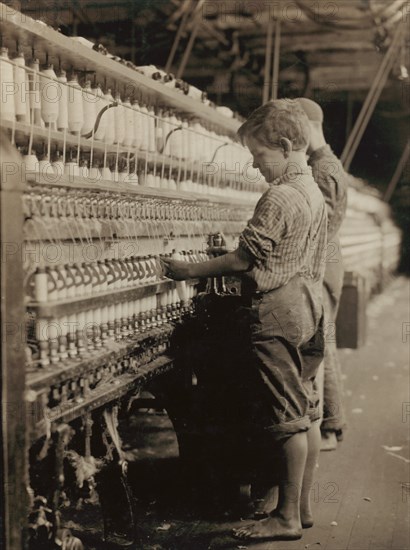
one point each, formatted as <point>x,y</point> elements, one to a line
<point>362,494</point>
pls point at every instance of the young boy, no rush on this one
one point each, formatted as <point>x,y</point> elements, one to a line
<point>328,173</point>
<point>281,256</point>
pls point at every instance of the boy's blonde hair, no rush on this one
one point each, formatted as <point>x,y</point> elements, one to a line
<point>276,119</point>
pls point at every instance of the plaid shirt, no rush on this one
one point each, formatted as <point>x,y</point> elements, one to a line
<point>287,234</point>
<point>331,178</point>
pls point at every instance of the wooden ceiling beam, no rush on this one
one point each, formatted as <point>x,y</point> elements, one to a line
<point>331,78</point>
<point>315,47</point>
<point>340,58</point>
<point>338,10</point>
<point>236,14</point>
<point>250,28</point>
<point>322,38</point>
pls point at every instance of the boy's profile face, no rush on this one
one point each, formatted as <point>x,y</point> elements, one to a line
<point>270,162</point>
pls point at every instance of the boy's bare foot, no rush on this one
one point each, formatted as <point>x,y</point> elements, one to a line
<point>306,516</point>
<point>307,519</point>
<point>273,527</point>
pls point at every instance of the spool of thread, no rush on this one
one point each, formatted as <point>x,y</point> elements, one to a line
<point>99,104</point>
<point>97,316</point>
<point>145,128</point>
<point>124,274</point>
<point>191,142</point>
<point>40,285</point>
<point>163,299</point>
<point>62,119</point>
<point>199,141</point>
<point>75,105</point>
<point>149,269</point>
<point>110,119</point>
<point>22,95</point>
<point>131,179</point>
<point>115,266</point>
<point>181,286</point>
<point>80,332</point>
<point>106,173</point>
<point>150,180</point>
<point>103,270</point>
<point>172,139</point>
<point>151,125</point>
<point>62,339</point>
<point>130,269</point>
<point>89,101</point>
<point>138,125</point>
<point>58,164</point>
<point>7,89</point>
<point>159,133</point>
<point>31,164</point>
<point>46,169</point>
<point>94,172</point>
<point>128,123</point>
<point>135,271</point>
<point>71,169</point>
<point>104,323</point>
<point>185,137</point>
<point>175,296</point>
<point>41,330</point>
<point>89,330</point>
<point>62,278</point>
<point>119,118</point>
<point>70,280</point>
<point>35,96</point>
<point>172,185</point>
<point>72,327</point>
<point>179,140</point>
<point>50,95</point>
<point>54,331</point>
<point>122,176</point>
<point>87,276</point>
<point>142,270</point>
<point>166,130</point>
<point>83,169</point>
<point>115,176</point>
<point>118,314</point>
<point>52,277</point>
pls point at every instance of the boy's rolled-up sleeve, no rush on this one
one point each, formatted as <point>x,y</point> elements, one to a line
<point>263,231</point>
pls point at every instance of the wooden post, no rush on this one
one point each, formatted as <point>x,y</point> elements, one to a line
<point>276,60</point>
<point>268,56</point>
<point>371,101</point>
<point>349,114</point>
<point>194,32</point>
<point>178,36</point>
<point>397,173</point>
<point>13,467</point>
<point>133,42</point>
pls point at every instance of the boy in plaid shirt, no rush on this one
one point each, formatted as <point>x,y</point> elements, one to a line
<point>281,259</point>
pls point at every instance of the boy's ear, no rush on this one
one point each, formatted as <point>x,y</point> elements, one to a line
<point>286,145</point>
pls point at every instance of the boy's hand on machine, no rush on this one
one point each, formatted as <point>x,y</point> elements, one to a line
<point>217,250</point>
<point>175,269</point>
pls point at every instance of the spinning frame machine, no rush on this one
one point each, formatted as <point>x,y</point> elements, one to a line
<point>114,169</point>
